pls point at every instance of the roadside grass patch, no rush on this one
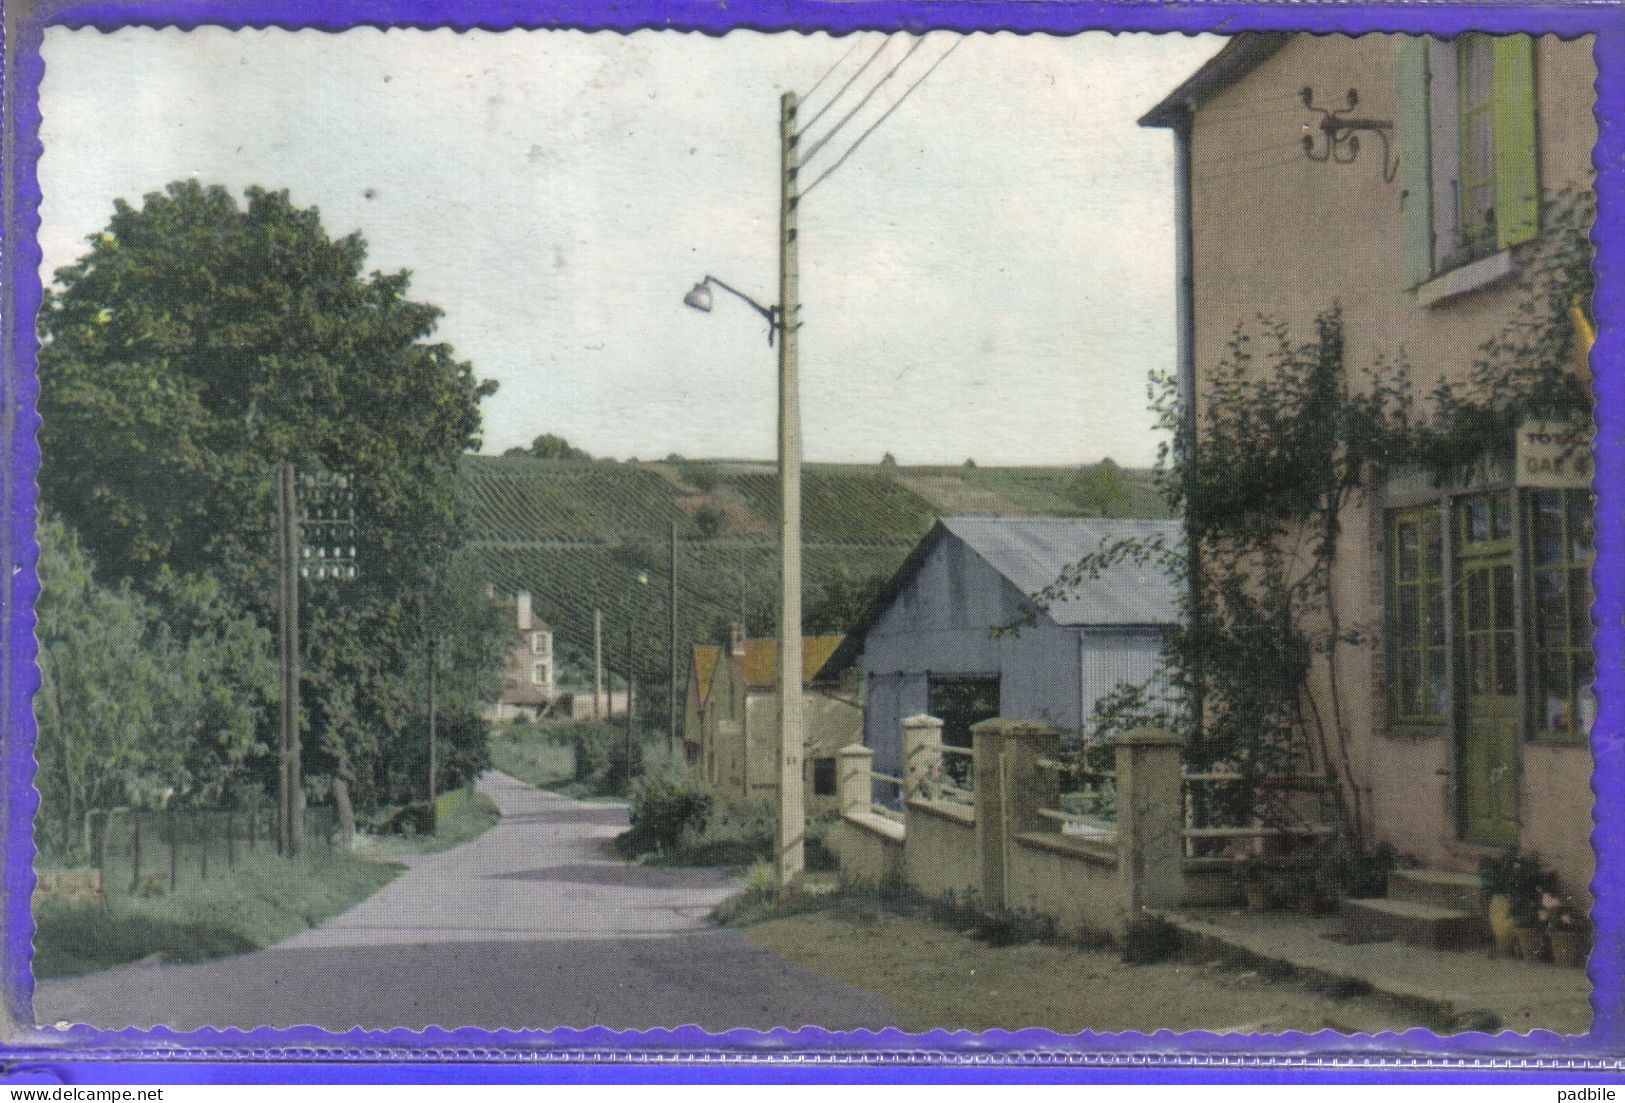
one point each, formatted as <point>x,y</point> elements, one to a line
<point>939,964</point>
<point>263,901</point>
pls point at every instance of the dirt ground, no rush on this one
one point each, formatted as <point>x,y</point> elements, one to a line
<point>933,976</point>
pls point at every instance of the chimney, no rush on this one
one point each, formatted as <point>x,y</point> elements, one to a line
<point>736,645</point>
<point>522,602</point>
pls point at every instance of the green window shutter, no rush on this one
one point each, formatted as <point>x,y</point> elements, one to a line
<point>1517,184</point>
<point>1416,159</point>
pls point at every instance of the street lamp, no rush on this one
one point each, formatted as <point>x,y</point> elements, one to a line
<point>699,297</point>
<point>789,850</point>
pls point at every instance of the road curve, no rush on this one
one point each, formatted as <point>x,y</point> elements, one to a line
<point>530,926</point>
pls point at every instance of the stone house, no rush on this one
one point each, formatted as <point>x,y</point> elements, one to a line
<point>1471,704</point>
<point>932,642</point>
<point>528,675</point>
<point>731,727</point>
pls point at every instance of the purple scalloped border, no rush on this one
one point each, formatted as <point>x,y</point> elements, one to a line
<point>692,1055</point>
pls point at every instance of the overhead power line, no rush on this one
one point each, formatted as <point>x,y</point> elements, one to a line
<point>875,125</point>
<point>819,82</point>
<point>869,95</point>
<point>884,42</point>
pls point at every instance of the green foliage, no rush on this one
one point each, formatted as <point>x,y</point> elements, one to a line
<point>839,604</point>
<point>265,900</point>
<point>139,702</point>
<point>550,446</point>
<point>197,343</point>
<point>1103,490</point>
<point>667,807</point>
<point>1288,443</point>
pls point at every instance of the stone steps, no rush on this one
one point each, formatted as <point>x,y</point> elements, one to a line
<point>1462,892</point>
<point>1408,921</point>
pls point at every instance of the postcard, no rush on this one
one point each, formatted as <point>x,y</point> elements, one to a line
<point>838,533</point>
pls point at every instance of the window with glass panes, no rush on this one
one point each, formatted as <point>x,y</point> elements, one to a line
<point>1560,555</point>
<point>1488,621</point>
<point>1475,67</point>
<point>1416,605</point>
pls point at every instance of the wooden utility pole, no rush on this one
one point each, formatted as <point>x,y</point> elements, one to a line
<point>287,530</point>
<point>598,663</point>
<point>671,694</point>
<point>433,657</point>
<point>789,852</point>
<point>628,693</point>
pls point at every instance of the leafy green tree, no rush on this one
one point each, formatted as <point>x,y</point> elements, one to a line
<point>137,704</point>
<point>841,604</point>
<point>1101,488</point>
<point>199,342</point>
<point>550,446</point>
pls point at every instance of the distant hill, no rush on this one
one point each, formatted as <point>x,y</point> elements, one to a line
<point>576,533</point>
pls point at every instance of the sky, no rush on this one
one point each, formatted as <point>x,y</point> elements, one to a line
<point>989,275</point>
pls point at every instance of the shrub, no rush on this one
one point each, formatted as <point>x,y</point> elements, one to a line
<point>667,809</point>
<point>1148,941</point>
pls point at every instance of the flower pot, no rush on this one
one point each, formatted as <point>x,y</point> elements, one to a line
<point>1531,942</point>
<point>1568,947</point>
<point>1500,917</point>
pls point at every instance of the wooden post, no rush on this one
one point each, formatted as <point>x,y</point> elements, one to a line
<point>135,850</point>
<point>231,845</point>
<point>169,820</point>
<point>203,847</point>
<point>671,695</point>
<point>288,779</point>
<point>598,666</point>
<point>433,662</point>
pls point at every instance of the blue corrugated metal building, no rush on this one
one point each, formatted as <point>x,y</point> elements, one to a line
<point>929,643</point>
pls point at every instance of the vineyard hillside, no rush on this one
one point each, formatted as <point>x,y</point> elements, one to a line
<point>578,533</point>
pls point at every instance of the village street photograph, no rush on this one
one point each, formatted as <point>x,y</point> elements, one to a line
<point>550,529</point>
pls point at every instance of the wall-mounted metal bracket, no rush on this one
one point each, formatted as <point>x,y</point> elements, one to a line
<point>1340,138</point>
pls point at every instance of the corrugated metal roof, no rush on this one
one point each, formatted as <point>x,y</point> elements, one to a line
<point>1033,551</point>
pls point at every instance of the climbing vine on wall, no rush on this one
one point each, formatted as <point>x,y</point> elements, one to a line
<point>1288,443</point>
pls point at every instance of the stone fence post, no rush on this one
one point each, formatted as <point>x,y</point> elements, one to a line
<point>922,757</point>
<point>1010,788</point>
<point>1150,819</point>
<point>854,788</point>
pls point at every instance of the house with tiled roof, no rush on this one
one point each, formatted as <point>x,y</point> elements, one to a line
<point>732,732</point>
<point>702,666</point>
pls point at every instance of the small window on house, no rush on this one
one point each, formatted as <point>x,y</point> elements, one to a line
<point>538,643</point>
<point>823,777</point>
<point>1467,150</point>
<point>1560,552</point>
<point>538,674</point>
<point>1416,615</point>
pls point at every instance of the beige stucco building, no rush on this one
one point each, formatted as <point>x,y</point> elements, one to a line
<point>731,727</point>
<point>1470,708</point>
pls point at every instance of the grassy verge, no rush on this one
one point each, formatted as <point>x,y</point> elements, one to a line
<point>263,901</point>
<point>944,966</point>
<point>534,760</point>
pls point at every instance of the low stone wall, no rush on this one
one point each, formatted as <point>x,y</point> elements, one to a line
<point>940,855</point>
<point>1072,881</point>
<point>871,849</point>
<point>1006,850</point>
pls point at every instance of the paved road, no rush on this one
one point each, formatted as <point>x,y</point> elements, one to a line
<point>529,926</point>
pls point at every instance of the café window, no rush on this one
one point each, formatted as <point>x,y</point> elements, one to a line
<point>1560,552</point>
<point>1416,610</point>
